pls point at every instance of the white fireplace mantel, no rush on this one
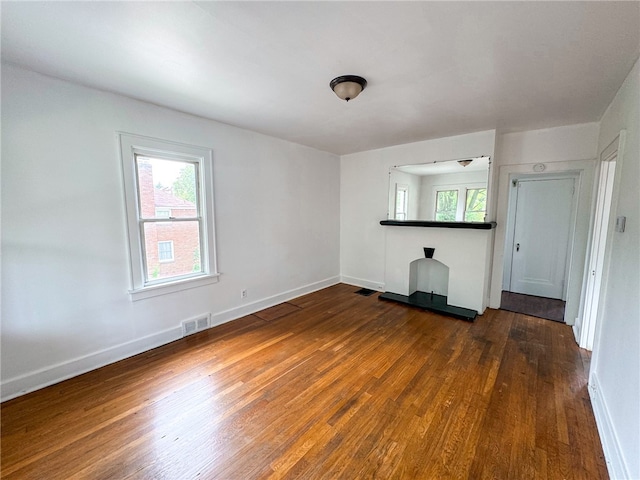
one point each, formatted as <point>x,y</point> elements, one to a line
<point>467,253</point>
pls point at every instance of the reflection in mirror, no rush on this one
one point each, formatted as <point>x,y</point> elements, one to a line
<point>447,191</point>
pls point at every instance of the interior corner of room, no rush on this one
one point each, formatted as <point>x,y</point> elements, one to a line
<point>530,206</point>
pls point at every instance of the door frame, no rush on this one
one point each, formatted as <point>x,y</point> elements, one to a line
<point>585,168</point>
<point>599,249</point>
<point>511,221</point>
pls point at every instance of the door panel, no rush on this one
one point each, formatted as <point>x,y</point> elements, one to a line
<point>597,253</point>
<point>541,236</point>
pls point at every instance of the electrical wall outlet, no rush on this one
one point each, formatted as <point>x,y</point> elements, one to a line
<point>243,293</point>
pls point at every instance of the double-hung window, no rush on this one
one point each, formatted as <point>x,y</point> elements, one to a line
<point>402,202</point>
<point>446,205</point>
<point>169,203</point>
<point>461,203</point>
<point>475,205</point>
<point>165,251</point>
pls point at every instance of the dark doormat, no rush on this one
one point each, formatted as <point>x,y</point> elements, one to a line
<point>365,292</point>
<point>547,308</point>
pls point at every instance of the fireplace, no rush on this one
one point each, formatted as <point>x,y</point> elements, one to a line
<point>456,277</point>
<point>429,287</point>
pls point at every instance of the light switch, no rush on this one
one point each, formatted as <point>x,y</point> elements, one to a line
<point>620,223</point>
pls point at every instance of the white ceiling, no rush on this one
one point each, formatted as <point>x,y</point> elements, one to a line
<point>434,68</point>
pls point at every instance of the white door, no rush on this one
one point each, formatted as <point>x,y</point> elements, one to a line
<point>541,236</point>
<point>599,242</point>
<point>598,258</point>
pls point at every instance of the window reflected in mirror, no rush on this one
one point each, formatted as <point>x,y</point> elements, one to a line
<point>446,191</point>
<point>402,198</point>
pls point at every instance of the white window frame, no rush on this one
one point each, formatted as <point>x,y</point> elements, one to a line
<point>166,260</point>
<point>457,213</point>
<point>462,197</point>
<point>402,210</point>
<point>132,146</point>
<point>163,209</point>
<point>466,195</point>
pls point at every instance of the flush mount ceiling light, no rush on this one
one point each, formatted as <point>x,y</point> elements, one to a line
<point>348,87</point>
<point>464,163</point>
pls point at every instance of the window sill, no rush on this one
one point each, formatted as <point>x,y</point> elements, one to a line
<point>172,287</point>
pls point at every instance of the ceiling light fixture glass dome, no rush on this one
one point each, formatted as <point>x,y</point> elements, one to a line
<point>348,87</point>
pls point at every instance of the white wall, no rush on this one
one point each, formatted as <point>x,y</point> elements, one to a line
<point>364,190</point>
<point>572,142</point>
<point>615,368</point>
<point>65,273</point>
<point>570,148</point>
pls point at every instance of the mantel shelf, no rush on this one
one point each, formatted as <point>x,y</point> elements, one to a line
<point>431,224</point>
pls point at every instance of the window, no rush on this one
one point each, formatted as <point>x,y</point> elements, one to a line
<point>165,251</point>
<point>446,205</point>
<point>169,202</point>
<point>475,205</point>
<point>402,200</point>
<point>460,203</point>
<point>163,212</point>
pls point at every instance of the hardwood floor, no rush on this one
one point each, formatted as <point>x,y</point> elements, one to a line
<point>333,385</point>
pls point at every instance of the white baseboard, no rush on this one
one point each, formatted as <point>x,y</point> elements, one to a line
<point>576,332</point>
<point>17,386</point>
<point>360,282</point>
<point>610,444</point>
<point>248,309</point>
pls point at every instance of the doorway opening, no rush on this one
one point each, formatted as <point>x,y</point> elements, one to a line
<point>540,229</point>
<point>598,256</point>
<point>541,307</point>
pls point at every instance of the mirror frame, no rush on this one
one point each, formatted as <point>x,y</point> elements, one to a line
<point>391,200</point>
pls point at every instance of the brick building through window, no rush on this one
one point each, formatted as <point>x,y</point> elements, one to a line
<point>157,201</point>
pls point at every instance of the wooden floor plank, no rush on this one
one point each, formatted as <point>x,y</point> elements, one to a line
<point>329,385</point>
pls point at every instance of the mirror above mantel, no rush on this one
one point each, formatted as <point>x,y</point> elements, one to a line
<point>445,191</point>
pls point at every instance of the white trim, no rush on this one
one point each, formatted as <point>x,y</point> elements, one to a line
<point>238,312</point>
<point>511,223</point>
<point>585,168</point>
<point>598,258</point>
<point>461,203</point>
<point>17,386</point>
<point>173,287</point>
<point>131,145</point>
<point>466,197</point>
<point>610,444</point>
<point>360,282</point>
<point>576,330</point>
<point>402,187</point>
<point>166,260</point>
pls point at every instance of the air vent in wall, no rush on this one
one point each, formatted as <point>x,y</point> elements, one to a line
<point>196,324</point>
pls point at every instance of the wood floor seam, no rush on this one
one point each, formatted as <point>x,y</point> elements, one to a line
<point>332,385</point>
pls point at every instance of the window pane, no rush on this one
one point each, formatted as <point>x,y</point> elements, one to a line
<point>402,195</point>
<point>165,251</point>
<point>475,205</point>
<point>167,188</point>
<point>172,249</point>
<point>163,212</point>
<point>446,205</point>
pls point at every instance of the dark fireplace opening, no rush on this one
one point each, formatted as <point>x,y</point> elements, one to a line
<point>429,287</point>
